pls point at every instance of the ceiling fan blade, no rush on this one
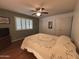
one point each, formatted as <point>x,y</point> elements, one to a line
<point>44,12</point>
<point>33,10</point>
<point>34,14</point>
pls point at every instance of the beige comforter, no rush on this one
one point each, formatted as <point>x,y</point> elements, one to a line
<point>46,46</point>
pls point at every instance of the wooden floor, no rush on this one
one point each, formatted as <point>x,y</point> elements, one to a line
<point>14,52</point>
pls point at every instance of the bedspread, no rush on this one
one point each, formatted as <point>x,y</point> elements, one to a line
<point>46,46</point>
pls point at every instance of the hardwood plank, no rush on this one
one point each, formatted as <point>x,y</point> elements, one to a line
<point>14,52</point>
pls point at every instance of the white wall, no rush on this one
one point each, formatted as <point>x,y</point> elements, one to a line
<point>75,25</point>
<point>61,24</point>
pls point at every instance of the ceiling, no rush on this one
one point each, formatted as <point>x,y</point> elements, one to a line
<point>25,6</point>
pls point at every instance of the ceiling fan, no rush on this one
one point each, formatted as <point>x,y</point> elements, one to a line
<point>39,11</point>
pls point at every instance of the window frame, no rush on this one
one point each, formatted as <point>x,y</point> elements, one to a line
<point>25,23</point>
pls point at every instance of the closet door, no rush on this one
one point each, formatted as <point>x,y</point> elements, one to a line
<point>63,25</point>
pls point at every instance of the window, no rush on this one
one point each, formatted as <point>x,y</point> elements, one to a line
<point>18,23</point>
<point>30,24</point>
<point>23,23</point>
<point>27,24</point>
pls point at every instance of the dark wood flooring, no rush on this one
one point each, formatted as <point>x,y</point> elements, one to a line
<point>14,52</point>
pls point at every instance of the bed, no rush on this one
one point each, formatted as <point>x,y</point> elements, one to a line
<point>45,46</point>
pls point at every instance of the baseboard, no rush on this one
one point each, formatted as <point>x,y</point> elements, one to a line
<point>17,39</point>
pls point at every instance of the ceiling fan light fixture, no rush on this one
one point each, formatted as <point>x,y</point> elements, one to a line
<point>38,14</point>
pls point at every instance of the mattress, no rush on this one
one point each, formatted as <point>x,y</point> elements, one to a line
<point>45,46</point>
